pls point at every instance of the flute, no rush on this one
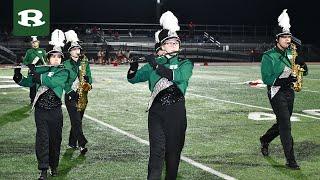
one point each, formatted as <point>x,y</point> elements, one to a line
<point>24,66</point>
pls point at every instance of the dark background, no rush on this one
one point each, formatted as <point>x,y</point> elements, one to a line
<point>304,15</point>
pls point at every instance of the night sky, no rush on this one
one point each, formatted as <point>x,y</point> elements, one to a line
<point>304,15</point>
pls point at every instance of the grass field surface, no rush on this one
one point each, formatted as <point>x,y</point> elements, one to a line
<point>221,140</point>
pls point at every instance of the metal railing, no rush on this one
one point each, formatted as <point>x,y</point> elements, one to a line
<point>150,29</point>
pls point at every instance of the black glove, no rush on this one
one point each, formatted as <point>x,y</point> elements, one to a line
<point>285,81</point>
<point>131,73</point>
<point>134,66</point>
<point>73,95</point>
<point>134,59</point>
<point>164,72</point>
<point>305,67</point>
<point>36,77</point>
<point>17,71</point>
<point>133,69</point>
<point>17,77</point>
<point>31,67</point>
<point>152,61</point>
<point>86,78</point>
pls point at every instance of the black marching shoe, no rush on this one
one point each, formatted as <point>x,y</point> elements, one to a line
<point>83,150</point>
<point>72,146</point>
<point>264,148</point>
<point>293,165</point>
<point>54,172</point>
<point>43,175</point>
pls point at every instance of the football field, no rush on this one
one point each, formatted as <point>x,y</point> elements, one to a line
<point>225,115</point>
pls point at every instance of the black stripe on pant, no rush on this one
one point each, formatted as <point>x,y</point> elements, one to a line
<point>167,126</point>
<point>76,133</point>
<point>33,92</point>
<point>48,136</point>
<point>282,105</point>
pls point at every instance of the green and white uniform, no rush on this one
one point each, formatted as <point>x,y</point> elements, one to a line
<point>276,68</point>
<point>54,78</point>
<point>182,71</point>
<point>35,56</point>
<point>48,113</point>
<point>74,68</point>
<point>275,64</point>
<point>76,135</point>
<point>167,120</point>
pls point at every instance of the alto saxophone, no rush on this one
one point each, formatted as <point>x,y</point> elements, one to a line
<point>83,95</point>
<point>297,71</point>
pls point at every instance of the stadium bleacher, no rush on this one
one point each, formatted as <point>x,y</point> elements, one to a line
<point>235,43</point>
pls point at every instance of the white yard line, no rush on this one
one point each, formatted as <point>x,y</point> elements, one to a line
<point>311,91</point>
<point>5,77</point>
<point>312,79</point>
<point>9,86</point>
<point>247,105</point>
<point>7,81</point>
<point>186,159</point>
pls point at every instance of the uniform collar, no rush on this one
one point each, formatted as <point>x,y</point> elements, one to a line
<point>282,52</point>
<point>73,62</point>
<point>284,58</point>
<point>169,57</point>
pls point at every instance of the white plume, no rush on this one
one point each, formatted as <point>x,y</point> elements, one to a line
<point>71,36</point>
<point>156,36</point>
<point>34,38</point>
<point>57,38</point>
<point>169,21</point>
<point>284,21</point>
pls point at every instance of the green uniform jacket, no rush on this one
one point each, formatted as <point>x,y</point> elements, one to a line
<point>273,63</point>
<point>182,71</point>
<point>54,78</point>
<point>33,53</point>
<point>74,68</point>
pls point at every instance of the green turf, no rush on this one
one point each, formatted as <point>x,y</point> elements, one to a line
<point>219,134</point>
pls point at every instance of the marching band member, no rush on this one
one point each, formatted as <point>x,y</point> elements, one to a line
<point>168,78</point>
<point>50,81</point>
<point>277,74</point>
<point>35,56</point>
<point>74,84</point>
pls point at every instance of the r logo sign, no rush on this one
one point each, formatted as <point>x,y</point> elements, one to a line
<point>36,19</point>
<point>31,18</point>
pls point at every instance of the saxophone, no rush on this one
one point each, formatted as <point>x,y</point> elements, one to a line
<point>297,71</point>
<point>83,95</point>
